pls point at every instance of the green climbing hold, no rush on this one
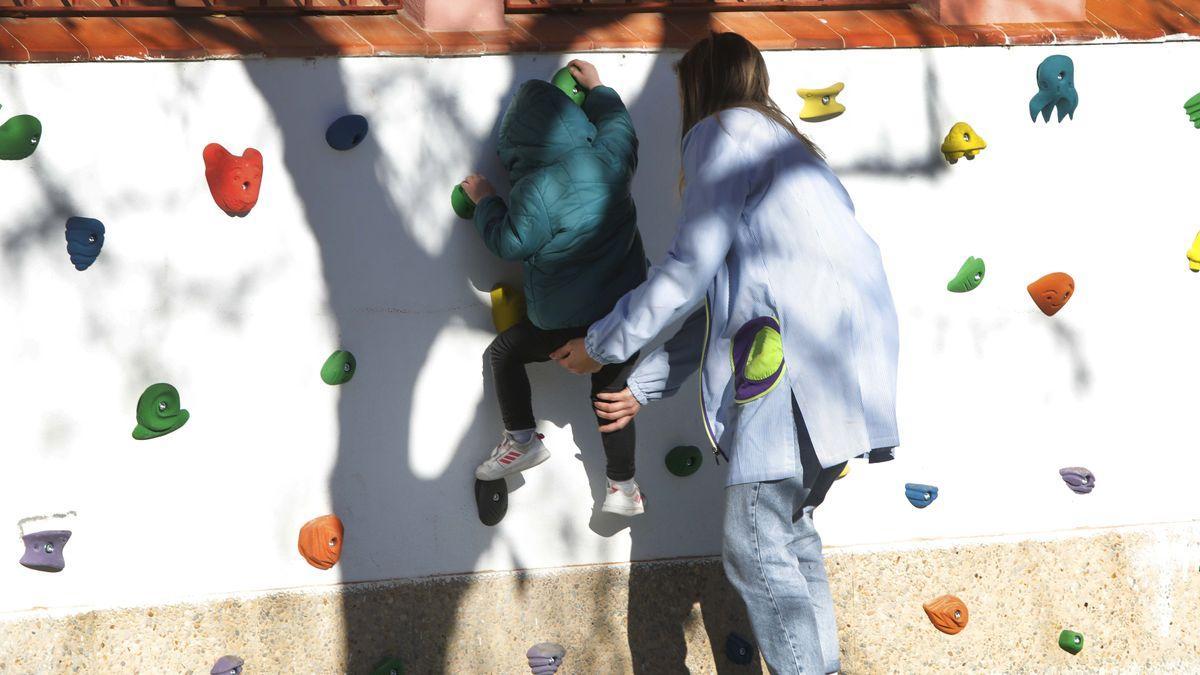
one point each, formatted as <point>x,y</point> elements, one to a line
<point>969,276</point>
<point>684,460</point>
<point>389,666</point>
<point>1070,641</point>
<point>1192,107</point>
<point>19,137</point>
<point>766,355</point>
<point>158,412</point>
<point>463,206</point>
<point>564,80</point>
<point>338,368</point>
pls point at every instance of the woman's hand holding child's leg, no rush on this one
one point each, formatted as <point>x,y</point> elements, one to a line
<point>619,407</point>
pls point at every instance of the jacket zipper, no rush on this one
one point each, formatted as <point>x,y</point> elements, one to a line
<point>718,453</point>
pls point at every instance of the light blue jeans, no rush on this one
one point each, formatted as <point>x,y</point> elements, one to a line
<point>773,557</point>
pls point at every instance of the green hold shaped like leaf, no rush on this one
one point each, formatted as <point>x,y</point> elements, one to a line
<point>684,460</point>
<point>19,137</point>
<point>969,276</point>
<point>463,206</point>
<point>338,368</point>
<point>564,80</point>
<point>158,412</point>
<point>1070,641</point>
<point>389,666</point>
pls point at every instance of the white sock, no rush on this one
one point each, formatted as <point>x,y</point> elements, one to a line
<point>522,436</point>
<point>625,485</point>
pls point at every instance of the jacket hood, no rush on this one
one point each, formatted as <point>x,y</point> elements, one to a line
<point>540,126</point>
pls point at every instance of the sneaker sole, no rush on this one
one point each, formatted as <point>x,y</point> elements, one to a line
<point>624,511</point>
<point>537,459</point>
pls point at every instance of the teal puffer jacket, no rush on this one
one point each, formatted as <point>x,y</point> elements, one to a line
<point>570,217</point>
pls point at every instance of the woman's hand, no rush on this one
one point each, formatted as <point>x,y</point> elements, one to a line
<point>477,188</point>
<point>620,407</point>
<point>574,358</point>
<point>585,74</point>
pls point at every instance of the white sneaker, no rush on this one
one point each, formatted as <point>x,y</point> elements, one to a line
<point>622,500</point>
<point>512,457</point>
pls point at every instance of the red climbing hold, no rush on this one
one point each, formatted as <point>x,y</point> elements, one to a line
<point>233,180</point>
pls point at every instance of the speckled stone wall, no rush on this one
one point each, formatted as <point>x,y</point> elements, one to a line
<point>1133,593</point>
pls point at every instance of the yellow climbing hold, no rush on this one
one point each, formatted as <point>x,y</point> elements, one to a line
<point>821,104</point>
<point>1194,254</point>
<point>508,306</point>
<point>962,141</point>
<point>766,355</point>
<point>845,470</point>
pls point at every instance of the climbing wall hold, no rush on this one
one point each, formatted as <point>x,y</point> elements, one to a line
<point>338,368</point>
<point>545,658</point>
<point>19,136</point>
<point>508,306</point>
<point>459,201</point>
<point>969,276</point>
<point>1052,291</point>
<point>920,495</point>
<point>845,471</point>
<point>947,613</point>
<point>684,460</point>
<point>321,541</point>
<point>564,80</point>
<point>233,181</point>
<point>821,104</point>
<point>1080,480</point>
<point>1193,110</point>
<point>1056,87</point>
<point>44,550</point>
<point>158,412</point>
<point>389,666</point>
<point>757,357</point>
<point>491,498</point>
<point>85,237</point>
<point>1070,641</point>
<point>962,141</point>
<point>738,649</point>
<point>1193,254</point>
<point>346,132</point>
<point>228,665</point>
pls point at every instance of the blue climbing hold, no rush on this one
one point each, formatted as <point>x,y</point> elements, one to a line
<point>739,650</point>
<point>920,495</point>
<point>346,132</point>
<point>1056,87</point>
<point>230,664</point>
<point>85,237</point>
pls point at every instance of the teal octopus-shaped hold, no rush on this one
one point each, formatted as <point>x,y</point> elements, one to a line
<point>1056,87</point>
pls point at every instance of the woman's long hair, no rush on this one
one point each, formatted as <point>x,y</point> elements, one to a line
<point>725,71</point>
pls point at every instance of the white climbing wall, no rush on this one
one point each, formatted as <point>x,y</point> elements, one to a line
<point>360,251</point>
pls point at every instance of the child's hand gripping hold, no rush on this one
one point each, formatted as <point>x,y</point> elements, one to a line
<point>477,188</point>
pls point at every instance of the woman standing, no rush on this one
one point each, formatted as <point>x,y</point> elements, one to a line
<point>796,339</point>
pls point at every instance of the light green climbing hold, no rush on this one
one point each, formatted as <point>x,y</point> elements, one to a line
<point>19,136</point>
<point>1070,641</point>
<point>766,355</point>
<point>969,276</point>
<point>158,412</point>
<point>684,460</point>
<point>463,206</point>
<point>338,368</point>
<point>564,80</point>
<point>389,666</point>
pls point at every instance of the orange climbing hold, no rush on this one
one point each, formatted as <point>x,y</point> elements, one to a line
<point>321,541</point>
<point>947,613</point>
<point>1052,291</point>
<point>232,180</point>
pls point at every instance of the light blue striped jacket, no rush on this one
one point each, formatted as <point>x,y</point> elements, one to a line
<point>766,230</point>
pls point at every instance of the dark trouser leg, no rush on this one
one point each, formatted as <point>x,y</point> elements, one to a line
<point>508,354</point>
<point>619,445</point>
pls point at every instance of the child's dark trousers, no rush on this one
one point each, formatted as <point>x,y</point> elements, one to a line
<point>525,343</point>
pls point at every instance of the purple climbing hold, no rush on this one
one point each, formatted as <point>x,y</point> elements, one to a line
<point>228,665</point>
<point>1080,480</point>
<point>545,658</point>
<point>44,550</point>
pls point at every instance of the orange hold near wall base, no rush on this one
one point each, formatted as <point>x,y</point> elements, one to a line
<point>1052,291</point>
<point>321,541</point>
<point>948,614</point>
